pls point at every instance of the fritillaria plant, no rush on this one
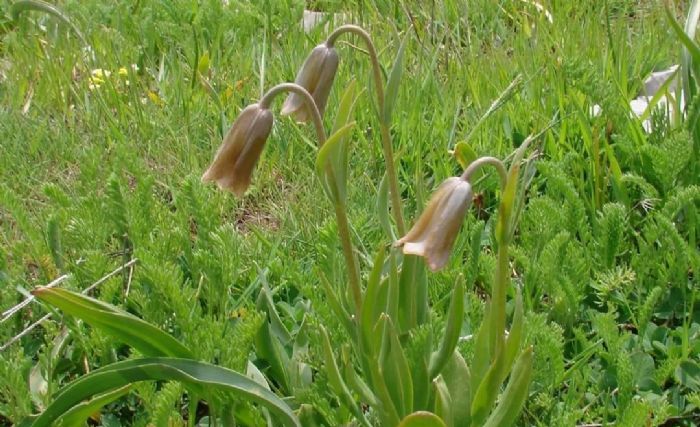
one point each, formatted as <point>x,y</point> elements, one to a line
<point>375,370</point>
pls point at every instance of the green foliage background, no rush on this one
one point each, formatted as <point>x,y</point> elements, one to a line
<point>606,253</point>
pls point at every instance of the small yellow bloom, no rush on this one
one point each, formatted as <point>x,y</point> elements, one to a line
<point>233,164</point>
<point>435,232</point>
<point>316,76</point>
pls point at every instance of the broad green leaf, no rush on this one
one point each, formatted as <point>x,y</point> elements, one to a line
<point>196,375</point>
<point>79,414</point>
<point>394,368</point>
<point>688,374</point>
<point>146,338</point>
<point>443,406</point>
<point>392,84</point>
<point>270,349</point>
<point>336,191</point>
<point>513,398</point>
<point>412,293</point>
<point>450,337</point>
<point>422,419</point>
<point>456,375</point>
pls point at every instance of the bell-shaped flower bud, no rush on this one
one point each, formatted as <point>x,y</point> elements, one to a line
<point>316,76</point>
<point>234,162</point>
<point>434,234</point>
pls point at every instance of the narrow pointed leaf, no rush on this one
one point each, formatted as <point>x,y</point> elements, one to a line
<point>383,207</point>
<point>323,161</point>
<point>392,84</point>
<point>512,347</point>
<point>336,380</point>
<point>368,316</point>
<point>508,409</point>
<point>450,337</point>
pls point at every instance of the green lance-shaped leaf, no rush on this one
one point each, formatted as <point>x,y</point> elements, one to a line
<point>82,411</point>
<point>485,395</point>
<point>270,349</point>
<point>337,306</point>
<point>392,84</point>
<point>394,368</point>
<point>513,398</point>
<point>336,380</point>
<point>339,156</point>
<point>482,351</point>
<point>324,159</point>
<point>383,207</point>
<point>197,376</point>
<point>267,305</point>
<point>413,293</point>
<point>487,391</point>
<point>422,419</point>
<point>456,375</point>
<point>443,406</point>
<point>690,60</point>
<point>421,380</point>
<point>450,338</point>
<point>512,347</point>
<point>146,338</point>
<point>369,314</point>
<point>358,385</point>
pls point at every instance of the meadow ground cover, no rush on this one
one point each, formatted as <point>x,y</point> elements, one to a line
<point>112,111</point>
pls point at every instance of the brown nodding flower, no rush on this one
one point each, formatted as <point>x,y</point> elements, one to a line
<point>316,76</point>
<point>434,234</point>
<point>234,162</point>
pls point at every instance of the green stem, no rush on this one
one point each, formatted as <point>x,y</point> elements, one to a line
<point>383,124</point>
<point>498,293</point>
<point>339,206</point>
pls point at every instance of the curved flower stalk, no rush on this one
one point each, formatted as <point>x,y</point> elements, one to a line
<point>317,75</point>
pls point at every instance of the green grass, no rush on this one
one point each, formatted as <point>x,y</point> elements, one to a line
<point>606,252</point>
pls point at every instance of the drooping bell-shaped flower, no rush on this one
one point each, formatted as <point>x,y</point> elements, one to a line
<point>435,232</point>
<point>316,76</point>
<point>234,162</point>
